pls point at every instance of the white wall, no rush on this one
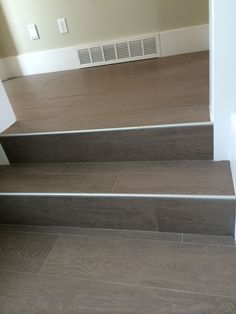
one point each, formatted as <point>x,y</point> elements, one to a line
<point>7,118</point>
<point>223,73</point>
<point>91,21</point>
<point>233,147</point>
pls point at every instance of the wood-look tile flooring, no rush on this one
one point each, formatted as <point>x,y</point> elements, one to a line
<point>64,270</point>
<point>210,178</point>
<point>151,92</point>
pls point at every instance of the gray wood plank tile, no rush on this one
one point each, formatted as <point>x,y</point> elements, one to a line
<point>207,217</point>
<point>180,143</point>
<point>121,234</point>
<point>32,169</point>
<point>198,167</point>
<point>87,212</point>
<point>189,267</point>
<point>24,293</point>
<point>212,217</point>
<point>134,177</point>
<point>111,167</point>
<point>24,252</point>
<point>214,240</point>
<point>58,183</point>
<point>204,178</point>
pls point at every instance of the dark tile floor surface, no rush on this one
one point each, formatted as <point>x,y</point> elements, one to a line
<point>66,270</point>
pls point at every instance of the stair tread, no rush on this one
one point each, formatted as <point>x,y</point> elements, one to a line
<point>177,178</point>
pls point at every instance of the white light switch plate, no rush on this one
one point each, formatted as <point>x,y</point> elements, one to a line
<point>62,25</point>
<point>33,31</point>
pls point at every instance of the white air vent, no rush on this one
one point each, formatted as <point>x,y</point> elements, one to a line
<point>120,51</point>
<point>84,56</point>
<point>149,46</point>
<point>96,54</point>
<point>136,49</point>
<point>109,52</point>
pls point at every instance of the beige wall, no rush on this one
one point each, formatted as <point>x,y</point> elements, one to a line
<point>6,43</point>
<point>91,21</point>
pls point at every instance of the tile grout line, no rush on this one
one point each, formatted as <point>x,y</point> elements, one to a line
<point>49,253</point>
<point>157,225</point>
<point>115,183</point>
<point>179,241</point>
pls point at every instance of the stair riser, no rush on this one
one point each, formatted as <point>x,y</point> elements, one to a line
<point>175,143</point>
<point>198,216</point>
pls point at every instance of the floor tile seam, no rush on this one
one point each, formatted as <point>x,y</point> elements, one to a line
<point>115,183</point>
<point>49,254</point>
<point>180,241</point>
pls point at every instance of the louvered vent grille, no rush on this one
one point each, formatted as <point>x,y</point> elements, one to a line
<point>84,56</point>
<point>96,54</point>
<point>109,52</point>
<point>136,49</point>
<point>123,51</point>
<point>149,46</point>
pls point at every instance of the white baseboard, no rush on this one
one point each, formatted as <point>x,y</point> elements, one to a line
<point>48,61</point>
<point>233,147</point>
<point>40,62</point>
<point>184,40</point>
<point>179,41</point>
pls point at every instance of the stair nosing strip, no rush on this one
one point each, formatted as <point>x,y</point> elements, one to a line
<point>128,195</point>
<point>133,128</point>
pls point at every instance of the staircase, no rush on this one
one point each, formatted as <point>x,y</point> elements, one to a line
<point>154,178</point>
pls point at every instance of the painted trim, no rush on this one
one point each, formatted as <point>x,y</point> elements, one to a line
<point>7,116</point>
<point>3,158</point>
<point>222,73</point>
<point>42,62</point>
<point>172,42</point>
<point>124,195</point>
<point>232,155</point>
<point>149,127</point>
<point>184,40</point>
<point>233,148</point>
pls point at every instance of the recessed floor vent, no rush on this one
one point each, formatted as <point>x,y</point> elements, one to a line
<point>120,51</point>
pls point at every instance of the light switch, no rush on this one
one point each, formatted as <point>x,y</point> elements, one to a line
<point>62,25</point>
<point>33,32</point>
